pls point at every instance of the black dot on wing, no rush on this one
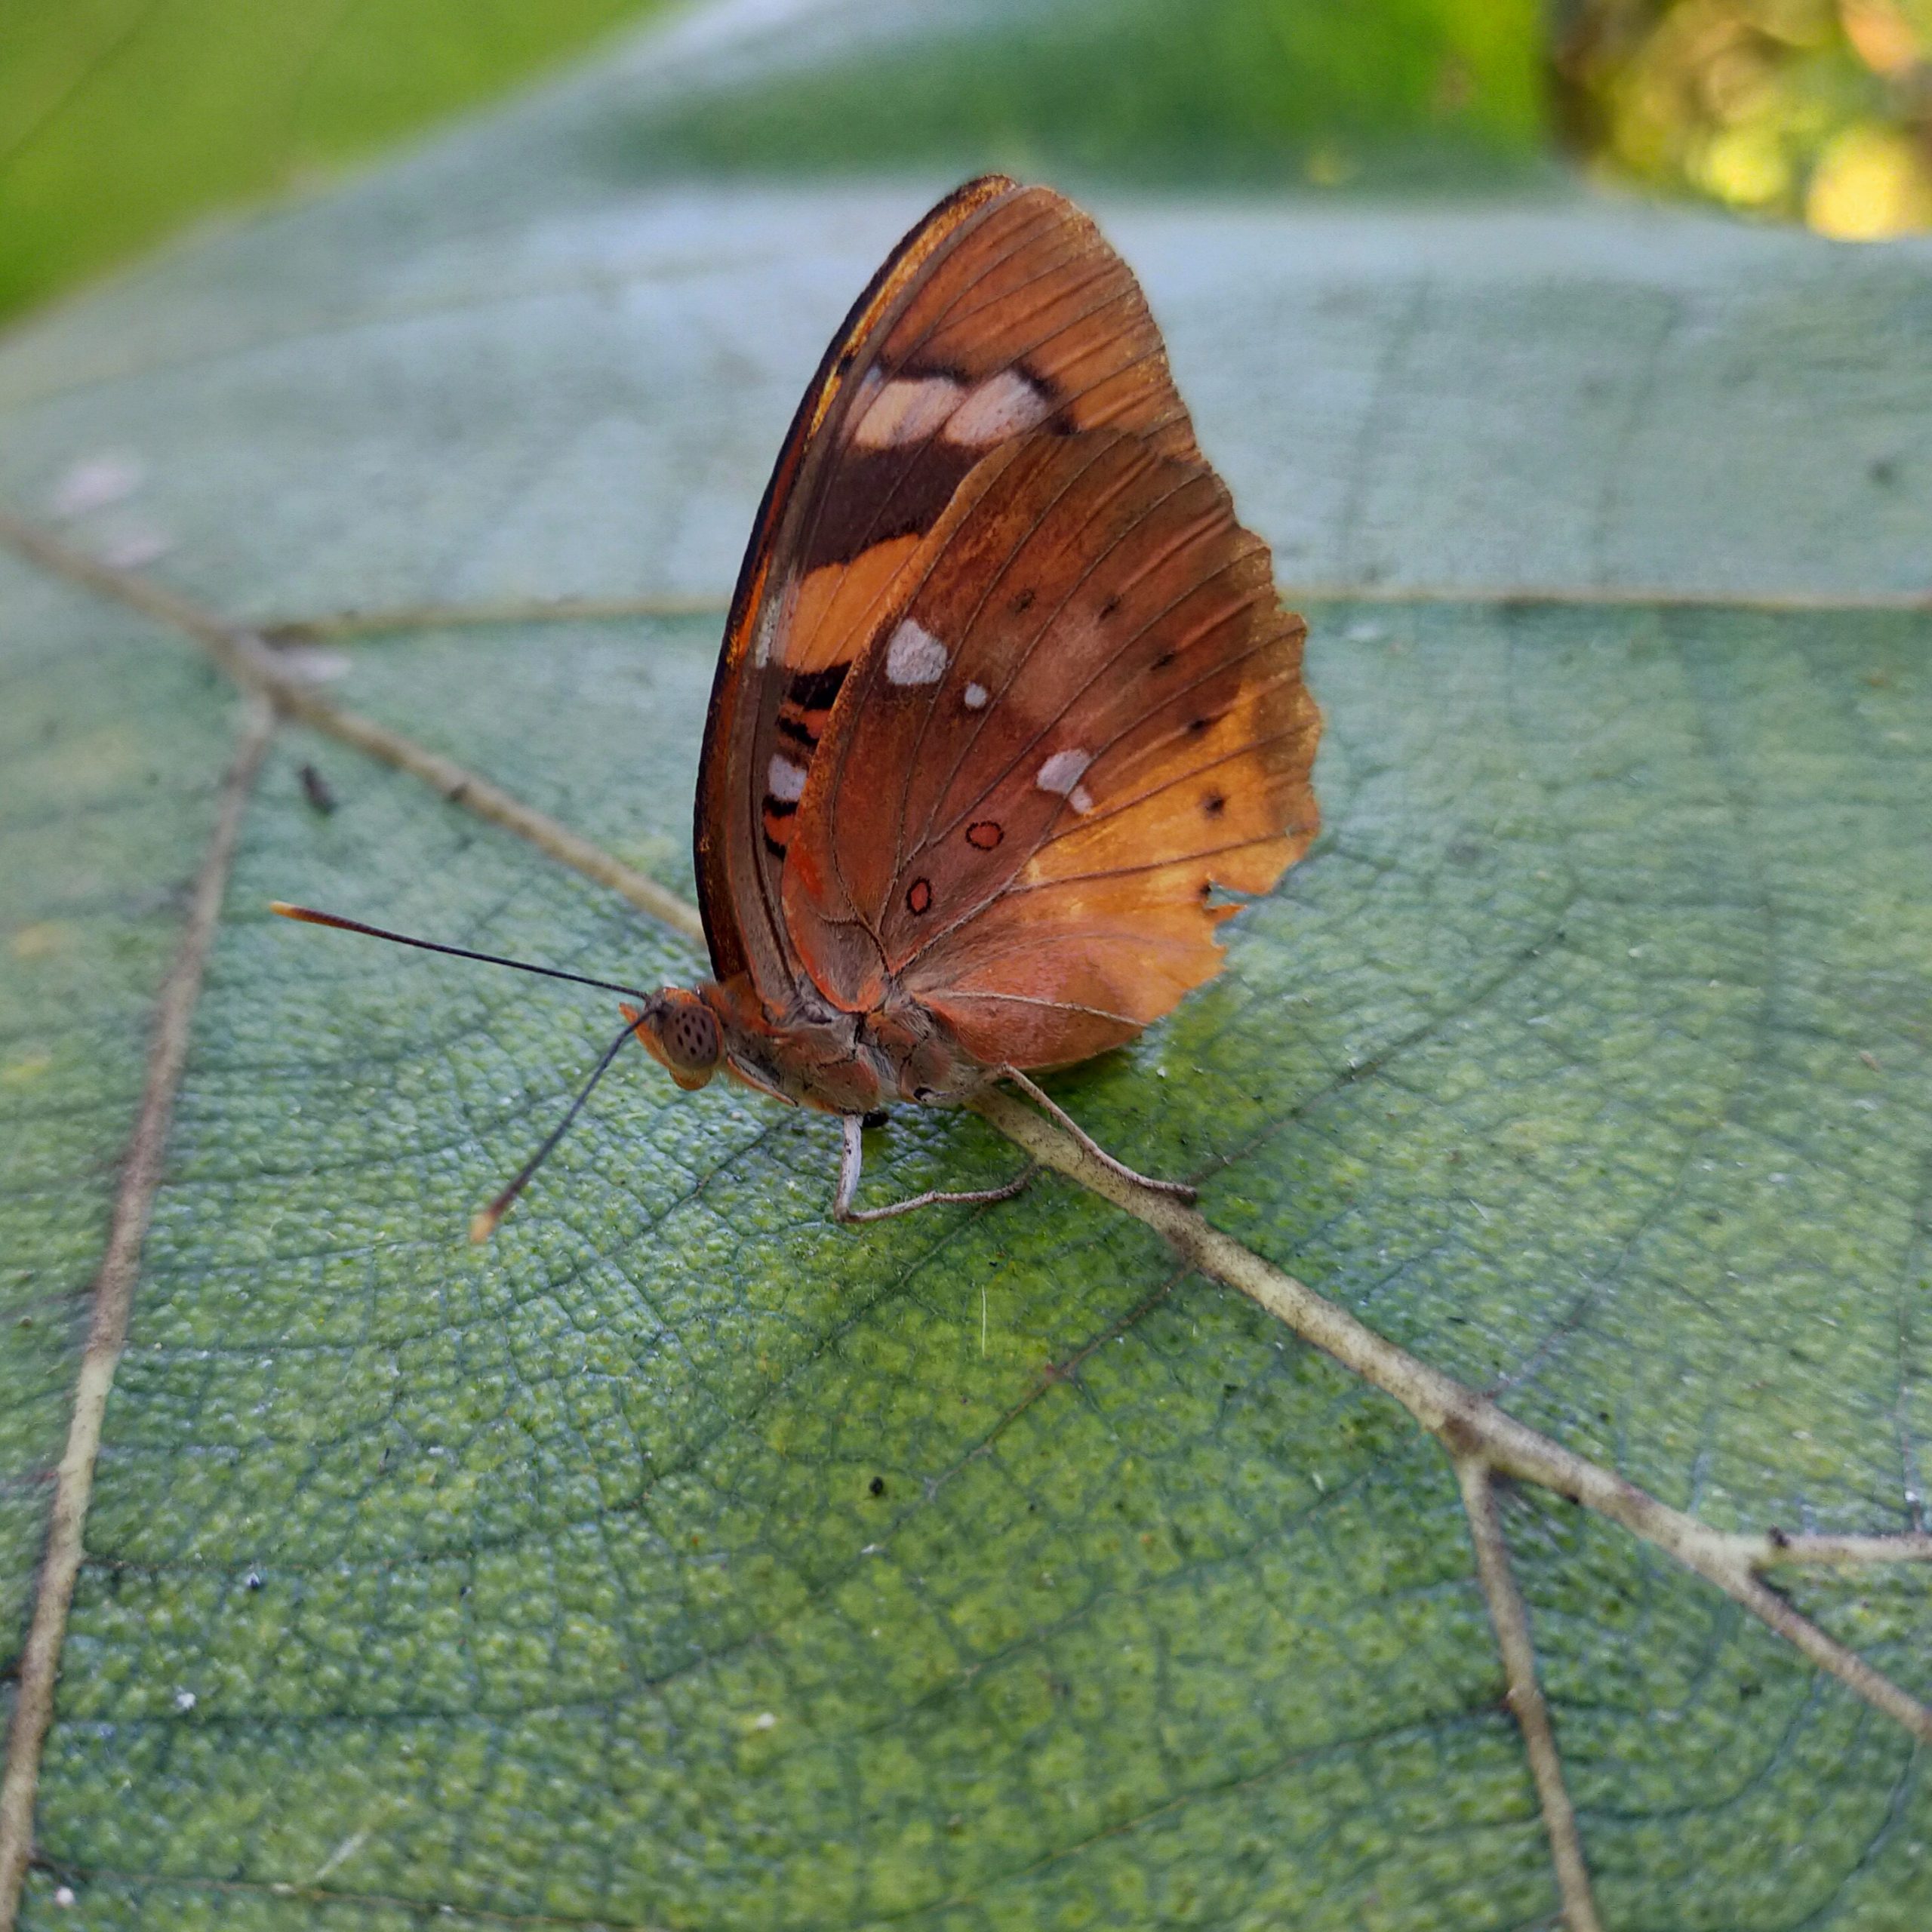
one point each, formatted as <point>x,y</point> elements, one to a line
<point>1161,662</point>
<point>1110,606</point>
<point>1214,803</point>
<point>919,895</point>
<point>1022,600</point>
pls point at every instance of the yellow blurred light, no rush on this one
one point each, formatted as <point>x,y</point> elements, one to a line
<point>1870,182</point>
<point>1746,167</point>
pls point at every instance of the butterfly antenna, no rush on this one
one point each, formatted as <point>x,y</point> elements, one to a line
<point>483,1223</point>
<point>310,916</point>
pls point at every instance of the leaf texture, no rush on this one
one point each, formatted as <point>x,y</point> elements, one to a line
<point>680,1559</point>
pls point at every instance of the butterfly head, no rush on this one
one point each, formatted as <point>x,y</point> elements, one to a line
<point>678,1030</point>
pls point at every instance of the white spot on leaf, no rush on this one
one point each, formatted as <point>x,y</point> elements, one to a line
<point>1002,406</point>
<point>915,656</point>
<point>976,697</point>
<point>311,664</point>
<point>784,779</point>
<point>906,411</point>
<point>94,483</point>
<point>137,545</point>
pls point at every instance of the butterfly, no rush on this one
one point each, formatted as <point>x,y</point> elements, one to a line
<point>1007,701</point>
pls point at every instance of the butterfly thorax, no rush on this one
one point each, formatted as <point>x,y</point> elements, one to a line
<point>812,1054</point>
<point>816,1055</point>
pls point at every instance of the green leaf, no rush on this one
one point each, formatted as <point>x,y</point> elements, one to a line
<point>121,119</point>
<point>681,1559</point>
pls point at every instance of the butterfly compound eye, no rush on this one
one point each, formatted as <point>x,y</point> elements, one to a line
<point>681,1031</point>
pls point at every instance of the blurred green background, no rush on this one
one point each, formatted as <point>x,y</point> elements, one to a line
<point>121,120</point>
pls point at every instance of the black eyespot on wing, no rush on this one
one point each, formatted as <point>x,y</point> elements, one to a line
<point>983,834</point>
<point>919,896</point>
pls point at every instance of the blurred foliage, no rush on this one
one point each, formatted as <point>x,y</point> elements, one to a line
<point>1818,109</point>
<point>120,119</point>
<point>1424,92</point>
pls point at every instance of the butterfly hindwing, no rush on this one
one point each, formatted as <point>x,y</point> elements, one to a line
<point>1081,715</point>
<point>1002,316</point>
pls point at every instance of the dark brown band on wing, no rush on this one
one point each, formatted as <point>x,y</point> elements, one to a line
<point>817,690</point>
<point>802,712</point>
<point>884,494</point>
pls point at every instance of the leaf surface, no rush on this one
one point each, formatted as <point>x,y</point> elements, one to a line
<point>120,120</point>
<point>681,1560</point>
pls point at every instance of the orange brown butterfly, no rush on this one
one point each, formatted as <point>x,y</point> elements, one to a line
<point>1006,700</point>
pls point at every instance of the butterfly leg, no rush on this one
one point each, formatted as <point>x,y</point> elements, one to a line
<point>1047,1105</point>
<point>854,1152</point>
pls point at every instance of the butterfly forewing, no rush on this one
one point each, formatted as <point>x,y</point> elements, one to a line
<point>1003,317</point>
<point>1081,713</point>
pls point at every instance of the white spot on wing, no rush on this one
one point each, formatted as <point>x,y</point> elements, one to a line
<point>976,697</point>
<point>1061,774</point>
<point>770,620</point>
<point>783,779</point>
<point>1002,406</point>
<point>906,411</point>
<point>915,656</point>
